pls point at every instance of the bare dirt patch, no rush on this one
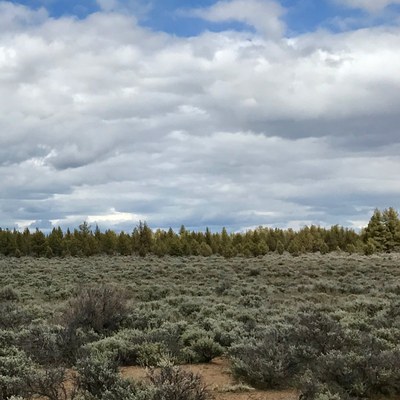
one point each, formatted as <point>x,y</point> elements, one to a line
<point>217,377</point>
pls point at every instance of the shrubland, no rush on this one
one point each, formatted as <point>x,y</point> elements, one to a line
<point>327,325</point>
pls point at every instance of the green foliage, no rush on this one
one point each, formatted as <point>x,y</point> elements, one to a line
<point>151,354</point>
<point>98,378</point>
<point>173,383</point>
<point>280,248</point>
<point>351,249</point>
<point>205,250</point>
<point>38,244</point>
<point>370,247</point>
<point>294,248</point>
<point>205,349</point>
<point>265,364</point>
<point>383,231</point>
<point>15,370</point>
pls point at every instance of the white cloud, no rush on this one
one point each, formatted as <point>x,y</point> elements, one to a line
<point>263,15</point>
<point>108,5</point>
<point>224,128</point>
<point>371,6</point>
<point>15,17</point>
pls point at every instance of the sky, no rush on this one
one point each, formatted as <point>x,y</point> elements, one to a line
<point>235,113</point>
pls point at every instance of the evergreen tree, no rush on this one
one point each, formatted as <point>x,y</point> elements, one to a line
<point>390,218</point>
<point>225,248</point>
<point>109,242</point>
<point>85,241</point>
<point>67,241</point>
<point>377,232</point>
<point>208,237</point>
<point>280,248</point>
<point>262,248</point>
<point>38,243</point>
<point>294,248</point>
<point>124,245</point>
<point>205,250</point>
<point>55,241</point>
<point>142,239</point>
<point>369,247</point>
<point>23,242</point>
<point>8,244</point>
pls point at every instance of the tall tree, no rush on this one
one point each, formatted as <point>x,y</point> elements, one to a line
<point>55,241</point>
<point>390,218</point>
<point>377,232</point>
<point>38,243</point>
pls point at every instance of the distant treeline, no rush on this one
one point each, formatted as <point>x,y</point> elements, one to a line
<point>381,235</point>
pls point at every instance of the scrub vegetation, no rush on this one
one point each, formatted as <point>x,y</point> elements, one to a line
<point>326,325</point>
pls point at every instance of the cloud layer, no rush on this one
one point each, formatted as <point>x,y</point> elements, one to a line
<point>107,121</point>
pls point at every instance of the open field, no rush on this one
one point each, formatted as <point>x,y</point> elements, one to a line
<point>327,326</point>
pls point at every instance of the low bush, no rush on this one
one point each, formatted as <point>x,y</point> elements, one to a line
<point>40,341</point>
<point>173,383</point>
<point>135,347</point>
<point>281,353</point>
<point>151,354</point>
<point>205,349</point>
<point>97,308</point>
<point>71,343</point>
<point>98,376</point>
<point>269,363</point>
<point>361,374</point>
<point>15,371</point>
<point>50,384</point>
<point>7,293</point>
<point>13,315</point>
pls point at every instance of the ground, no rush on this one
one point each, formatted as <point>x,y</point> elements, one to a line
<point>217,377</point>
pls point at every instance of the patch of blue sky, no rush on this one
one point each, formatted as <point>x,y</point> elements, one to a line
<point>169,16</point>
<point>58,8</point>
<point>310,15</point>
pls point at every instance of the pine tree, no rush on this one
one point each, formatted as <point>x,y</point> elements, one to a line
<point>280,248</point>
<point>225,248</point>
<point>124,245</point>
<point>369,247</point>
<point>205,250</point>
<point>294,248</point>
<point>390,218</point>
<point>55,241</point>
<point>109,242</point>
<point>377,232</point>
<point>143,238</point>
<point>8,244</point>
<point>38,243</point>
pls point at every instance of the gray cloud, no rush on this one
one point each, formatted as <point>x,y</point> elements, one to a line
<point>107,121</point>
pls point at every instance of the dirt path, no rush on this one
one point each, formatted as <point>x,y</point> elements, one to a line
<point>217,377</point>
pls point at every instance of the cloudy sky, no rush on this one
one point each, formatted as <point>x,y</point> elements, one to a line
<point>233,113</point>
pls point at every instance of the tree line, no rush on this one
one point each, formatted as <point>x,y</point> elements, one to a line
<point>382,234</point>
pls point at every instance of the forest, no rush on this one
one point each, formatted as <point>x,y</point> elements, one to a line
<point>382,234</point>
